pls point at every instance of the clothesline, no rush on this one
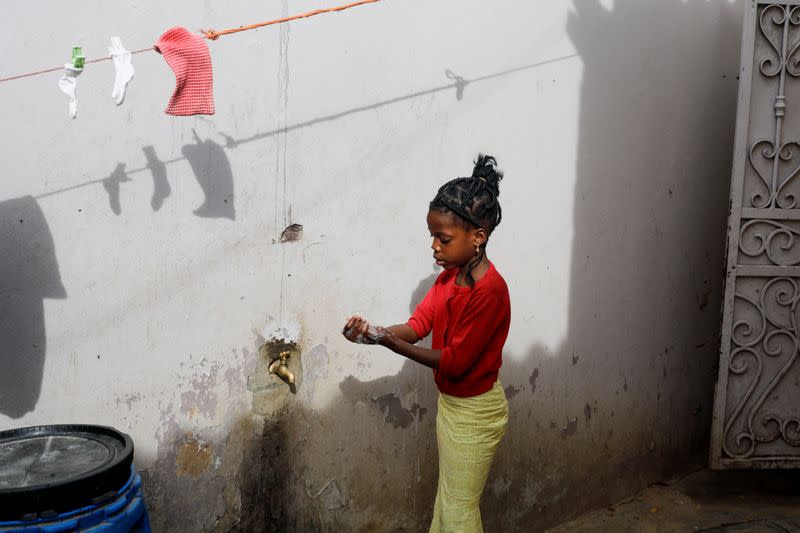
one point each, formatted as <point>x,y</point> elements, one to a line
<point>61,67</point>
<point>212,35</point>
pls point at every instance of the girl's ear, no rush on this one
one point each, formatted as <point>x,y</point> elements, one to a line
<point>480,236</point>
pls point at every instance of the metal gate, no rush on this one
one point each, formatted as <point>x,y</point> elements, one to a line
<point>757,404</point>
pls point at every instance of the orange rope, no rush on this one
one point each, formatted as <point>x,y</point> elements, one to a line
<point>214,35</point>
<point>211,34</point>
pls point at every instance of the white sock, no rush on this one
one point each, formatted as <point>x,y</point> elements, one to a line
<point>123,67</point>
<point>68,83</point>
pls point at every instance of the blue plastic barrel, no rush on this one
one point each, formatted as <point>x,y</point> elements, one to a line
<point>125,512</point>
<point>69,478</point>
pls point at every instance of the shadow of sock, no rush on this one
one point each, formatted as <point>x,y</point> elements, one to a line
<point>158,170</point>
<point>111,185</point>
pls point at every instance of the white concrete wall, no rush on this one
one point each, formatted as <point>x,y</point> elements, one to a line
<point>613,122</point>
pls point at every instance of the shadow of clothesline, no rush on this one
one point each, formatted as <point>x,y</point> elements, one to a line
<point>459,84</point>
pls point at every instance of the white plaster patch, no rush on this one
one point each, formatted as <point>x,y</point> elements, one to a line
<point>288,331</point>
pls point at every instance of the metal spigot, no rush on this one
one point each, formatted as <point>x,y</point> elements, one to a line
<point>279,367</point>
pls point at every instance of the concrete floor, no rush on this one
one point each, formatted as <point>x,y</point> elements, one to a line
<point>755,501</point>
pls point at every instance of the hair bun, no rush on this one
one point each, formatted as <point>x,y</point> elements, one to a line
<point>485,168</point>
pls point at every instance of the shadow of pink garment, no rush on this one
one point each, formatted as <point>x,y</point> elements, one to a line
<point>188,56</point>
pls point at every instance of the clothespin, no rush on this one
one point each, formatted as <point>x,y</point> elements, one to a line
<point>78,59</point>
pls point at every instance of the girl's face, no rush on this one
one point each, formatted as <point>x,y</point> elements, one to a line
<point>453,245</point>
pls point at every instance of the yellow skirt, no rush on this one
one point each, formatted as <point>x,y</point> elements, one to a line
<point>468,431</point>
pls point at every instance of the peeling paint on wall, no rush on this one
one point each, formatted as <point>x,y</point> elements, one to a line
<point>193,457</point>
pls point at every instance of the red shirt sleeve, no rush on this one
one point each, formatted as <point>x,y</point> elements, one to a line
<point>480,319</point>
<point>422,319</point>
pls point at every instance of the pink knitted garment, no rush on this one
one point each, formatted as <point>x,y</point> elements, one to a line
<point>188,56</point>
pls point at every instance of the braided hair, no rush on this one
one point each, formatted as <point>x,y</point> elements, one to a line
<point>474,202</point>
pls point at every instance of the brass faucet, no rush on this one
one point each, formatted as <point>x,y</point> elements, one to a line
<point>279,367</point>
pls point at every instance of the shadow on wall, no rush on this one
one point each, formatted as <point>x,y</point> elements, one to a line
<point>219,161</point>
<point>28,274</point>
<point>211,168</point>
<point>213,172</point>
<point>158,170</point>
<point>626,399</point>
<point>112,186</point>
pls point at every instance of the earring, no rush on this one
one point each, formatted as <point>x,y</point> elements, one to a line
<point>477,249</point>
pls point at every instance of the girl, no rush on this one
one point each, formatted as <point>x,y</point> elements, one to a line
<point>469,312</point>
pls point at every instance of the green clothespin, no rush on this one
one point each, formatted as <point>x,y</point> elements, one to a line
<point>78,59</point>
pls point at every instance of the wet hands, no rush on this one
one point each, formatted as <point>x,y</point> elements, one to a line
<point>360,331</point>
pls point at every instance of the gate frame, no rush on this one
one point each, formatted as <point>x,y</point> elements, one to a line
<point>716,459</point>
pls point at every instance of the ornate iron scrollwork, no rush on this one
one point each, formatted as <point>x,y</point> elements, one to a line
<point>776,150</point>
<point>774,334</point>
<point>775,239</point>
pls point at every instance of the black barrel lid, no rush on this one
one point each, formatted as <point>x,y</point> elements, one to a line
<point>48,470</point>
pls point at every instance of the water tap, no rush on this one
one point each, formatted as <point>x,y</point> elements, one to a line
<point>279,367</point>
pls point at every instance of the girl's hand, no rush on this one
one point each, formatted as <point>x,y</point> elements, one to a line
<point>384,336</point>
<point>355,329</point>
<point>360,331</point>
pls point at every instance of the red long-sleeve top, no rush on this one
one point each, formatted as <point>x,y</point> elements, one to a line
<point>470,326</point>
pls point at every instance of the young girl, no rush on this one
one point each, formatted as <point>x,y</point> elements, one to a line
<point>469,312</point>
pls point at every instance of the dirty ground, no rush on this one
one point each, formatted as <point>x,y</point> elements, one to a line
<point>708,501</point>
